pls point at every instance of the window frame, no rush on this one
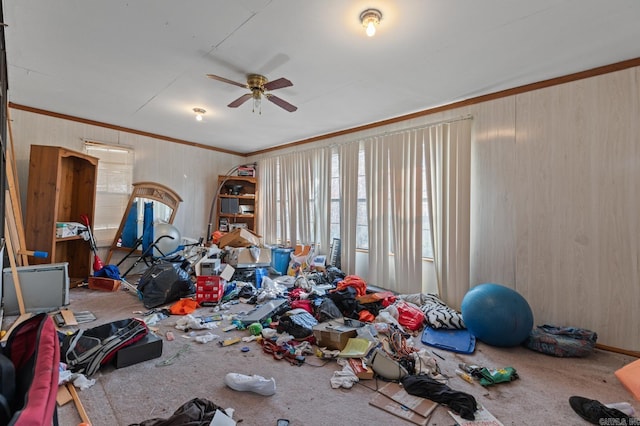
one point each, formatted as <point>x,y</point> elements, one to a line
<point>113,188</point>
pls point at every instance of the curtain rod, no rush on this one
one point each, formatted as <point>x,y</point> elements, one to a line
<point>424,126</point>
<point>388,133</point>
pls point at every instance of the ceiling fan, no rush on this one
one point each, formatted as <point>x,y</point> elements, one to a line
<point>259,86</point>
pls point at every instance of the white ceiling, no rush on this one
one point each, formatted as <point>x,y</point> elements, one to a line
<point>142,64</point>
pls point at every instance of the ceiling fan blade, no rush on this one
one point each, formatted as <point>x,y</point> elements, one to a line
<point>281,103</point>
<point>225,80</point>
<point>242,99</point>
<point>277,84</point>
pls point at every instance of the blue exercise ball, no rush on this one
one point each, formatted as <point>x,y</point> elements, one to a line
<point>497,315</point>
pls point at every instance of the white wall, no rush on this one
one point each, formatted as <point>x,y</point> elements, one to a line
<point>190,171</point>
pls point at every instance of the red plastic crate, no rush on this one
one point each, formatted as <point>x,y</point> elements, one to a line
<point>209,289</point>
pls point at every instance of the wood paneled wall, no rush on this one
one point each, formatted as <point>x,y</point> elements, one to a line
<point>556,203</point>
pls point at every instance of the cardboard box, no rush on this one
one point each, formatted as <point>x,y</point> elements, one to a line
<point>149,347</point>
<point>239,238</point>
<point>333,335</point>
<point>243,258</point>
<point>104,284</point>
<point>361,370</point>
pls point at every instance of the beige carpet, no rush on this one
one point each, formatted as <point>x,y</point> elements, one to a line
<point>304,395</point>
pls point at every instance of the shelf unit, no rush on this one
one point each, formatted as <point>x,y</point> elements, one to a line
<point>61,188</point>
<point>237,208</point>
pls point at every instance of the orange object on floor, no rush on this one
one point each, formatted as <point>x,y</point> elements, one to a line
<point>184,307</point>
<point>629,376</point>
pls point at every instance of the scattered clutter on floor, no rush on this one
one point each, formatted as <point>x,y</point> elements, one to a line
<point>309,310</point>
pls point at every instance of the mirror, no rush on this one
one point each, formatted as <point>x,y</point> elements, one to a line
<point>150,203</point>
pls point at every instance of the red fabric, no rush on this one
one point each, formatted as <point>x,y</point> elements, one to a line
<point>388,301</point>
<point>37,338</point>
<point>294,293</point>
<point>303,304</point>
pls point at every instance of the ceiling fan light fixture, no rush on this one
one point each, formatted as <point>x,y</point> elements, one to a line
<point>257,102</point>
<point>259,86</point>
<point>199,113</point>
<point>370,18</point>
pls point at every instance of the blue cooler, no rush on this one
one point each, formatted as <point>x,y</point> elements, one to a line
<point>280,258</point>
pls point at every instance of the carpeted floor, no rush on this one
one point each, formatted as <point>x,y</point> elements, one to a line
<point>304,395</point>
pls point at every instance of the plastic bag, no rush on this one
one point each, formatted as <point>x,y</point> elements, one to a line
<point>492,377</point>
<point>409,315</point>
<point>164,282</point>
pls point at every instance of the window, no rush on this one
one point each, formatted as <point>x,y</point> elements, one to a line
<point>362,226</point>
<point>362,231</point>
<point>115,179</point>
<point>427,248</point>
<point>362,234</point>
<point>335,196</point>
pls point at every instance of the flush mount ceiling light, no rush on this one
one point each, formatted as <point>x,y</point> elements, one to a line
<point>370,18</point>
<point>199,113</point>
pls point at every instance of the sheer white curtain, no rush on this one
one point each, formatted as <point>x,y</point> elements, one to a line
<point>377,171</point>
<point>295,198</point>
<point>393,168</point>
<point>406,200</point>
<point>295,169</point>
<point>267,173</point>
<point>348,154</point>
<point>295,193</point>
<point>449,158</point>
<point>321,205</point>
